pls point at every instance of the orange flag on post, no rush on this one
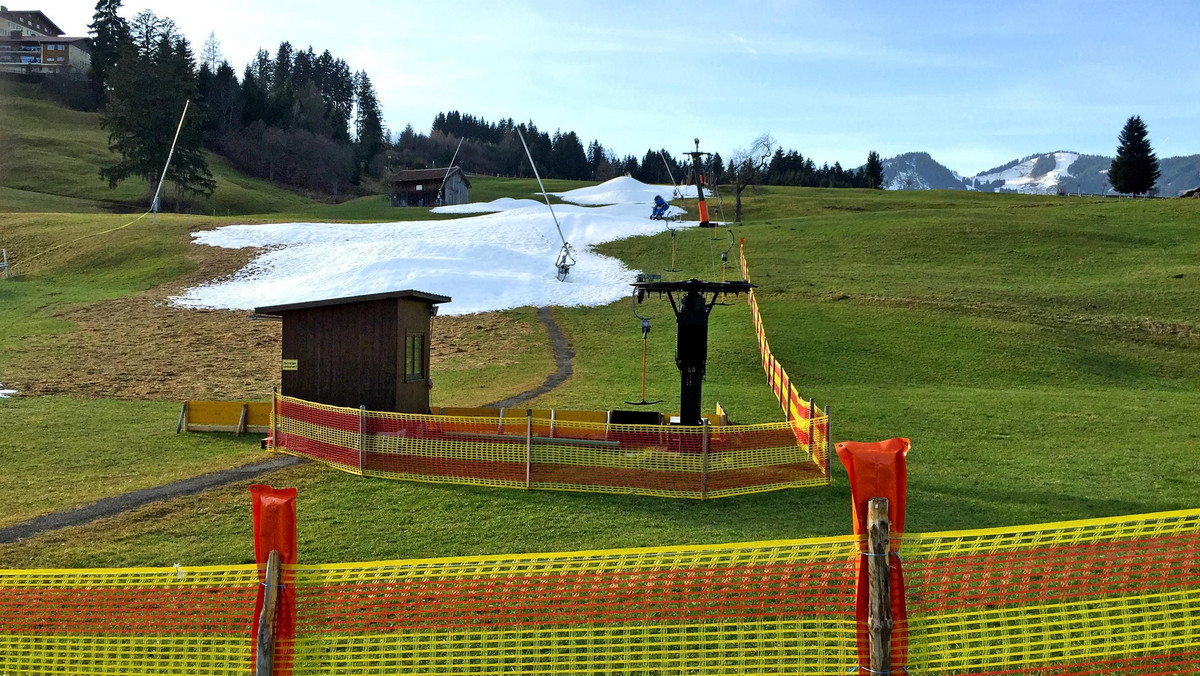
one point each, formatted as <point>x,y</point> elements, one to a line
<point>274,516</point>
<point>878,470</point>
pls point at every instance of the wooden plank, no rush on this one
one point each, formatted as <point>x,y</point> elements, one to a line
<point>520,438</point>
<point>250,429</point>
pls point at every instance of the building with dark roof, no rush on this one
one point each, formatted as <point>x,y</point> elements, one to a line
<point>31,43</point>
<point>368,350</point>
<point>420,187</point>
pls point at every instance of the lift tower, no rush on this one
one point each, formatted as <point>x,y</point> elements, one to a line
<point>697,172</point>
<point>696,301</point>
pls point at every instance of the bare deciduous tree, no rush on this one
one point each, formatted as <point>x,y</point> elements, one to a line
<point>211,52</point>
<point>746,165</point>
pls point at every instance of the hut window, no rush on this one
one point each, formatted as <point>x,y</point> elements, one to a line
<point>414,357</point>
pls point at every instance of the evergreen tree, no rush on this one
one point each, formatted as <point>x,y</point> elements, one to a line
<point>874,171</point>
<point>1135,168</point>
<point>368,121</point>
<point>108,31</point>
<point>154,75</point>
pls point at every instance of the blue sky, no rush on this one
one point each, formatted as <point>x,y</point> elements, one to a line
<point>975,84</point>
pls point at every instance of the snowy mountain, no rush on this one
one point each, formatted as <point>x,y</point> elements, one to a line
<point>1043,174</point>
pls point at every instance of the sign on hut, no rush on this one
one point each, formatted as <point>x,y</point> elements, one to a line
<point>368,351</point>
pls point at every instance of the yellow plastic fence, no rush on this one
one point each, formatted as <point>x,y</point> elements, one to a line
<point>127,621</point>
<point>1107,596</point>
<point>776,607</point>
<point>556,453</point>
<point>796,408</point>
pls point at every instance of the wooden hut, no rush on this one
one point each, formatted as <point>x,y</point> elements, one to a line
<point>368,351</point>
<point>419,187</point>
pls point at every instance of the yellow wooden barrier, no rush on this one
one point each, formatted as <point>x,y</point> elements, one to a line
<point>226,416</point>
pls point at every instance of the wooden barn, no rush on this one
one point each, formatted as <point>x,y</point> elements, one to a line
<point>419,187</point>
<point>368,351</point>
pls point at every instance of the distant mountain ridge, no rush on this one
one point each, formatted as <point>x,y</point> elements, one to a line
<point>1041,174</point>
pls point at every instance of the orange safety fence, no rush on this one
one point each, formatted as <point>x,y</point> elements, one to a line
<point>798,410</point>
<point>555,453</point>
<point>1105,596</point>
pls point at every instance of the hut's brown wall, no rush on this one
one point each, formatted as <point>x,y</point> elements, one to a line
<point>354,355</point>
<point>347,355</point>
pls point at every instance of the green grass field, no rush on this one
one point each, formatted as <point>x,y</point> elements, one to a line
<point>1041,353</point>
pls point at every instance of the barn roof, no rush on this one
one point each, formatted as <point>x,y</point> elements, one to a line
<point>430,298</point>
<point>424,175</point>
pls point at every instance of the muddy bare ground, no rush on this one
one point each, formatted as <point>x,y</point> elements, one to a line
<point>142,348</point>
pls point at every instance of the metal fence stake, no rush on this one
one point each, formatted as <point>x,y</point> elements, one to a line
<point>528,448</point>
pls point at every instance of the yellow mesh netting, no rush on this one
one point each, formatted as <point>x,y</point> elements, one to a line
<point>550,453</point>
<point>785,607</point>
<point>127,621</point>
<point>1103,596</point>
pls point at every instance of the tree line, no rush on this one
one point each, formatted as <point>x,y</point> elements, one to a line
<point>298,118</point>
<point>307,120</point>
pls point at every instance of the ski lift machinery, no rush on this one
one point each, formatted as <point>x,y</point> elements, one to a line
<point>696,299</point>
<point>566,257</point>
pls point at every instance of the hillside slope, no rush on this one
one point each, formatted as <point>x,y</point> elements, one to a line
<point>53,152</point>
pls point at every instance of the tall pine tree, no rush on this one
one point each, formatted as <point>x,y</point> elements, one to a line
<point>154,75</point>
<point>874,171</point>
<point>1135,168</point>
<point>368,122</point>
<point>108,31</point>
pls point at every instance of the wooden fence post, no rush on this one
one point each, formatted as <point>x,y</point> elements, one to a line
<point>828,442</point>
<point>879,618</point>
<point>362,436</point>
<point>274,435</point>
<point>265,655</point>
<point>528,448</point>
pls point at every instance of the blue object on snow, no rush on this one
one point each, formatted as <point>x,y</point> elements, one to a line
<point>660,208</point>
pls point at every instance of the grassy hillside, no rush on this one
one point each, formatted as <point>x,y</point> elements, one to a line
<point>57,153</point>
<point>1042,353</point>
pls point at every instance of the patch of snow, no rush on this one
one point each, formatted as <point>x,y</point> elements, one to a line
<point>4,394</point>
<point>496,205</point>
<point>624,190</point>
<point>492,261</point>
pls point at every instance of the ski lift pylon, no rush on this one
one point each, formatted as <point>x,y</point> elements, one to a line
<point>565,259</point>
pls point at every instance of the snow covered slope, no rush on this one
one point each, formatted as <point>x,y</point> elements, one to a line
<point>1036,175</point>
<point>500,259</point>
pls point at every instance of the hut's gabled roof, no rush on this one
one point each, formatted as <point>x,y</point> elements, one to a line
<point>431,298</point>
<point>427,176</point>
